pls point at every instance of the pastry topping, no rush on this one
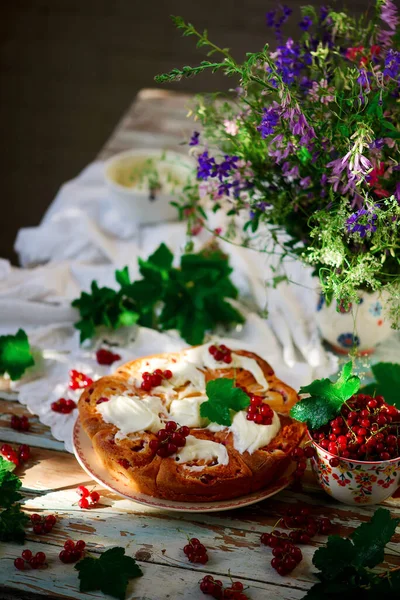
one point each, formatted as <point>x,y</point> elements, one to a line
<point>106,357</point>
<point>248,436</point>
<point>202,450</point>
<point>78,381</point>
<point>132,414</point>
<point>221,353</point>
<point>169,439</point>
<point>187,411</point>
<point>155,379</point>
<point>223,399</point>
<point>203,358</point>
<point>259,412</point>
<point>63,406</point>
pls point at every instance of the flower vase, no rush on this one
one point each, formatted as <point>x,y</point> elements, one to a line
<point>361,325</point>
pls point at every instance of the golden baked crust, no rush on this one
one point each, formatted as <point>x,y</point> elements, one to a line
<point>132,458</point>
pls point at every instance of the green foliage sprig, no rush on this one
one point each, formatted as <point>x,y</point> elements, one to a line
<point>345,565</point>
<point>190,299</point>
<point>12,519</point>
<point>15,354</point>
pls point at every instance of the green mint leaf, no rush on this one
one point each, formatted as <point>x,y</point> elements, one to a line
<point>387,384</point>
<point>370,538</point>
<point>127,318</point>
<point>326,398</point>
<point>110,573</point>
<point>15,354</point>
<point>335,558</point>
<point>223,397</point>
<point>86,328</point>
<point>12,524</point>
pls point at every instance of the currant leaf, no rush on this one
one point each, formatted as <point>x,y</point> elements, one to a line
<point>326,398</point>
<point>12,524</point>
<point>223,398</point>
<point>110,573</point>
<point>370,539</point>
<point>335,557</point>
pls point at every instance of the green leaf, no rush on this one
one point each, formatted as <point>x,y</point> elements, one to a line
<point>387,384</point>
<point>122,277</point>
<point>110,573</point>
<point>335,557</point>
<point>128,318</point>
<point>9,486</point>
<point>223,397</point>
<point>326,398</point>
<point>370,538</point>
<point>15,354</point>
<point>162,257</point>
<point>12,524</point>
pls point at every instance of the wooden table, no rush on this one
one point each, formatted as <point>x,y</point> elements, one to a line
<point>154,537</point>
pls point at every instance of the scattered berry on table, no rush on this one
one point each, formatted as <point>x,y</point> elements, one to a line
<point>221,353</point>
<point>83,491</point>
<point>63,406</point>
<point>88,499</point>
<point>73,551</point>
<point>169,439</point>
<point>27,558</point>
<point>215,588</point>
<point>196,551</point>
<point>106,357</point>
<point>41,524</point>
<point>78,381</point>
<point>152,380</point>
<point>20,423</point>
<point>83,503</point>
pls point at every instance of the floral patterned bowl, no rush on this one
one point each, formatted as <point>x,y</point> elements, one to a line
<point>363,325</point>
<point>354,481</point>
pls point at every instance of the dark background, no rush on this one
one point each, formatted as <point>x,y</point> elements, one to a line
<point>70,68</point>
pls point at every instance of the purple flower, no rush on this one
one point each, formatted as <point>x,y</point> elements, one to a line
<point>377,144</point>
<point>194,140</point>
<point>323,13</point>
<point>364,78</point>
<point>362,222</point>
<point>305,23</point>
<point>392,64</point>
<point>397,192</point>
<point>288,61</point>
<point>206,165</point>
<point>270,18</point>
<point>273,20</point>
<point>390,18</point>
<point>225,167</point>
<point>305,182</point>
<point>269,121</point>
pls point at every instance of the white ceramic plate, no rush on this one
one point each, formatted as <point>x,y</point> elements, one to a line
<point>89,461</point>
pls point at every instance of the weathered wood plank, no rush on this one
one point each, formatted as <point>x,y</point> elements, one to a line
<point>159,582</point>
<point>38,434</point>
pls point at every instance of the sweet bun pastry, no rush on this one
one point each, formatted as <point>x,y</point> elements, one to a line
<point>146,426</point>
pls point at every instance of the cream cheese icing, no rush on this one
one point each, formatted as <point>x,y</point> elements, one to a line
<point>206,450</point>
<point>132,414</point>
<point>186,411</point>
<point>249,436</point>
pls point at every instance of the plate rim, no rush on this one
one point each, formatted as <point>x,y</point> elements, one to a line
<point>164,504</point>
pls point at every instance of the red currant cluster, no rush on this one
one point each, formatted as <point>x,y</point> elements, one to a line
<point>73,551</point>
<point>151,380</point>
<point>215,588</point>
<point>20,423</point>
<point>17,457</point>
<point>169,439</point>
<point>259,412</point>
<point>88,499</point>
<point>196,552</point>
<point>221,353</point>
<point>366,429</point>
<point>300,455</point>
<point>43,524</point>
<point>78,381</point>
<point>303,527</point>
<point>27,558</point>
<point>63,406</point>
<point>106,357</point>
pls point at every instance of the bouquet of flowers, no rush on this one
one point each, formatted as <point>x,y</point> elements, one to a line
<point>305,153</point>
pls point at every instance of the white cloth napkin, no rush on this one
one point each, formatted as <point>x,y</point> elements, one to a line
<point>82,237</point>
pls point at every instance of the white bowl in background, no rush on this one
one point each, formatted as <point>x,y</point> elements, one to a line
<point>132,197</point>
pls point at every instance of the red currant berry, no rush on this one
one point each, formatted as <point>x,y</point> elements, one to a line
<point>94,497</point>
<point>83,503</point>
<point>69,545</point>
<point>52,519</point>
<point>83,491</point>
<point>19,564</point>
<point>80,545</point>
<point>40,557</point>
<point>334,462</point>
<point>38,528</point>
<point>27,555</point>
